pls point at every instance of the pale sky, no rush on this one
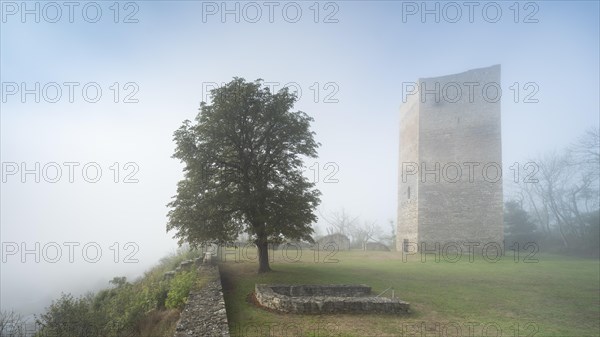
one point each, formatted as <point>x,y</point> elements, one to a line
<point>350,66</point>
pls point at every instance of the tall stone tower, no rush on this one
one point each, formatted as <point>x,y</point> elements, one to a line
<point>450,179</point>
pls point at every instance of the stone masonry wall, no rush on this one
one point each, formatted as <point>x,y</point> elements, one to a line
<point>204,313</point>
<point>408,183</point>
<point>321,290</point>
<point>326,299</point>
<point>458,152</point>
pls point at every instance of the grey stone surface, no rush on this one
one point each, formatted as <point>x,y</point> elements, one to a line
<point>323,299</point>
<point>169,274</point>
<point>320,289</point>
<point>204,313</point>
<point>186,265</point>
<point>208,258</point>
<point>449,131</point>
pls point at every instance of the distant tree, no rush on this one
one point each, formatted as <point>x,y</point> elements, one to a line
<point>365,233</point>
<point>340,222</point>
<point>592,231</point>
<point>12,324</point>
<point>587,150</point>
<point>243,160</point>
<point>563,193</point>
<point>518,227</point>
<point>317,232</point>
<point>118,281</point>
<point>391,239</point>
<point>68,316</point>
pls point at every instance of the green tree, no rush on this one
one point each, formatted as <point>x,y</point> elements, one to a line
<point>68,317</point>
<point>243,161</point>
<point>518,227</point>
<point>118,281</point>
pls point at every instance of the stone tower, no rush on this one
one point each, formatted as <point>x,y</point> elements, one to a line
<point>450,179</point>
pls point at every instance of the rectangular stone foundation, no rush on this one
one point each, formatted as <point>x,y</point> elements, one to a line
<point>323,299</point>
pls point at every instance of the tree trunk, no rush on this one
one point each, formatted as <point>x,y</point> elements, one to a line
<point>559,219</point>
<point>581,231</point>
<point>544,222</point>
<point>263,256</point>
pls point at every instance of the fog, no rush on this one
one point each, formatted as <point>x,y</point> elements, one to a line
<point>87,171</point>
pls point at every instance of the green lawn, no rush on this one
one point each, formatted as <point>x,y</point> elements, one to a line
<point>557,296</point>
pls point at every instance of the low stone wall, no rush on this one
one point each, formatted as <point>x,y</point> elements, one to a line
<point>322,299</point>
<point>204,313</point>
<point>341,290</point>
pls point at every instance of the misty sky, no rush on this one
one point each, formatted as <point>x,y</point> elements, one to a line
<point>350,66</point>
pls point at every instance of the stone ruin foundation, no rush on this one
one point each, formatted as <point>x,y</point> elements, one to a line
<point>325,299</point>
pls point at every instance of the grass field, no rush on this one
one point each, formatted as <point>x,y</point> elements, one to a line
<point>556,296</point>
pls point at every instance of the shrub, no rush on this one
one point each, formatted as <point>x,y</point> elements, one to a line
<point>125,309</point>
<point>181,285</point>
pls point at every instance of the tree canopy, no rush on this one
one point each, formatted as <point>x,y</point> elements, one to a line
<point>243,160</point>
<point>562,193</point>
<point>518,227</point>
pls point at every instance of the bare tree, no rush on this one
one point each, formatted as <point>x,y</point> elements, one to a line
<point>553,181</point>
<point>539,206</point>
<point>365,233</point>
<point>587,149</point>
<point>12,324</point>
<point>566,190</point>
<point>339,222</point>
<point>584,157</point>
